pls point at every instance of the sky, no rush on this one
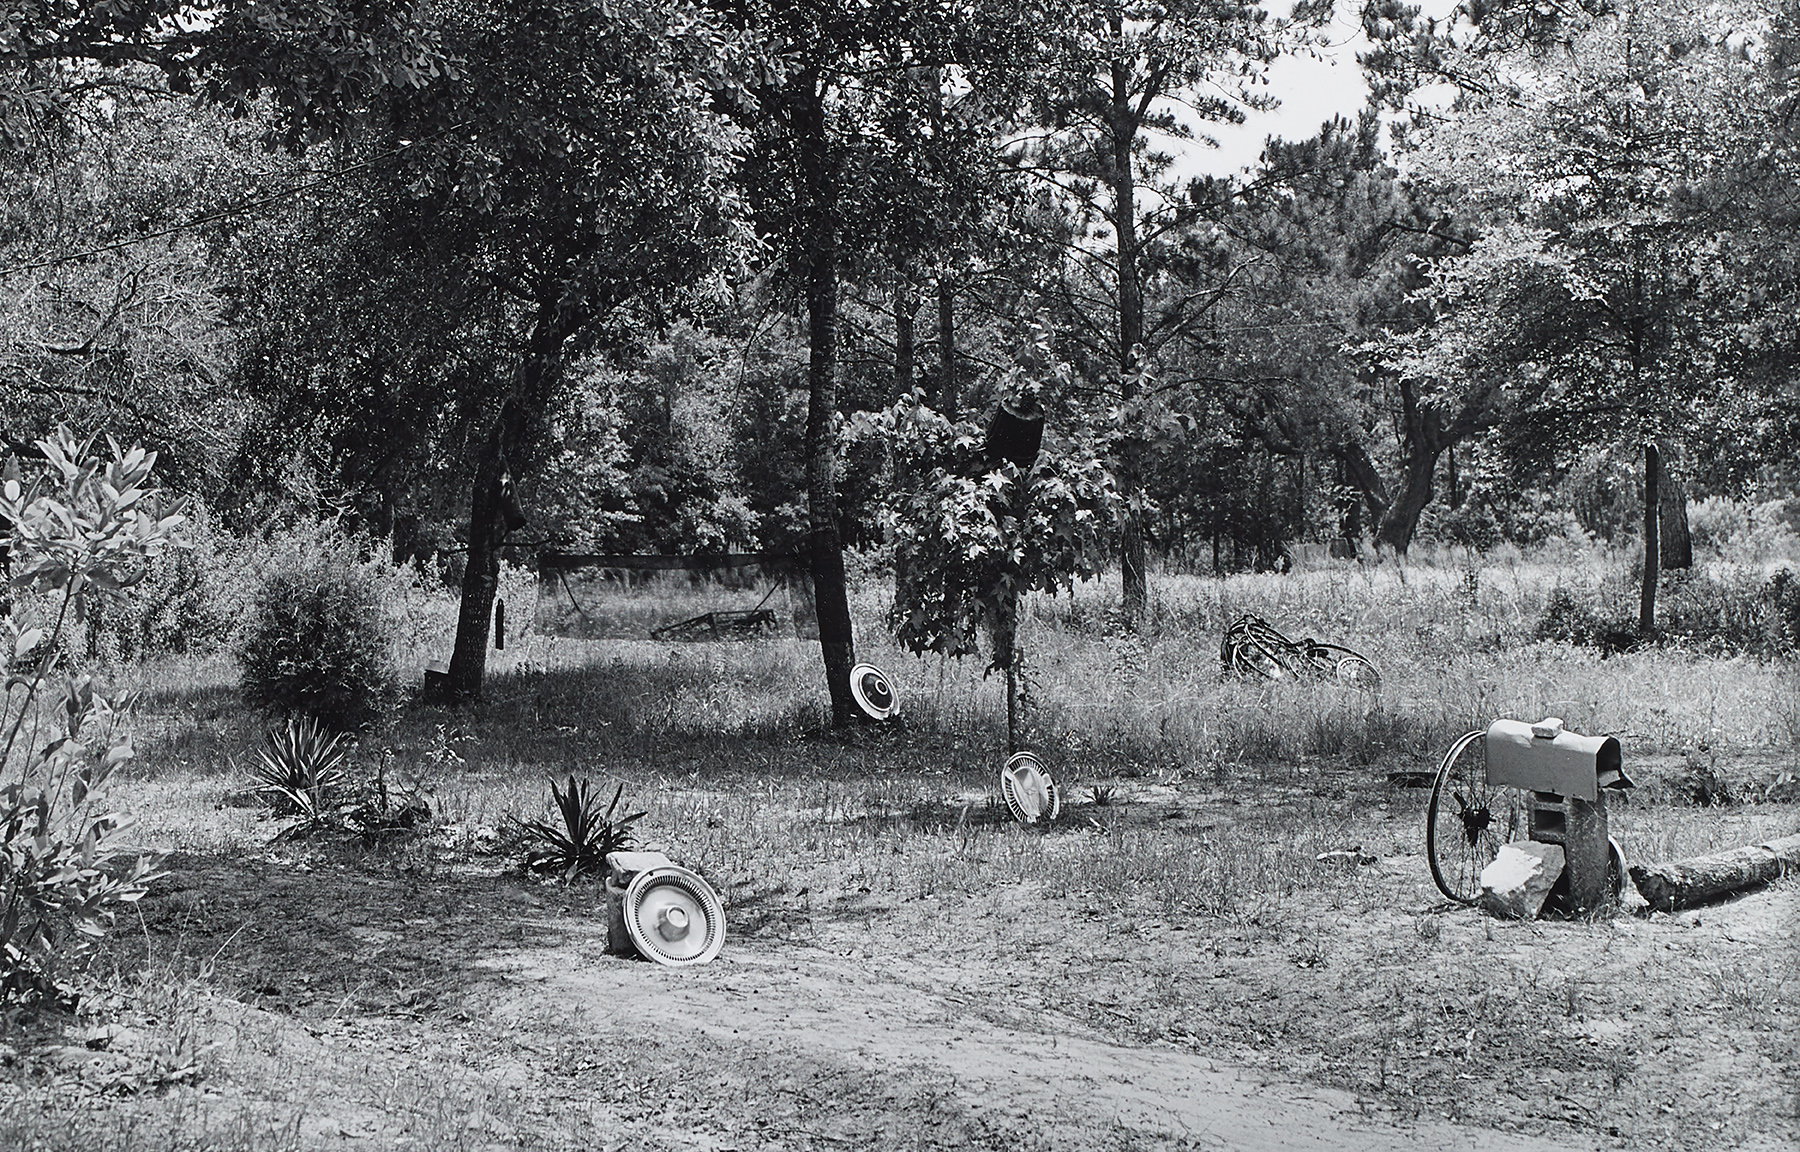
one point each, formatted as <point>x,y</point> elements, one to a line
<point>1311,91</point>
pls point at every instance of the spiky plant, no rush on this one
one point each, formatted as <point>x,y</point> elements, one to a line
<point>302,770</point>
<point>587,834</point>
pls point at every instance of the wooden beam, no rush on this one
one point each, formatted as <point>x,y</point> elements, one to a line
<point>567,561</point>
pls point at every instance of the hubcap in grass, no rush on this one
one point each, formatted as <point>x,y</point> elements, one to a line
<point>674,917</point>
<point>873,692</point>
<point>1030,793</point>
<point>1468,820</point>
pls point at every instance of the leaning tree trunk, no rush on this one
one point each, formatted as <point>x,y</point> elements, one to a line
<point>1401,519</point>
<point>830,595</point>
<point>1652,543</point>
<point>493,512</point>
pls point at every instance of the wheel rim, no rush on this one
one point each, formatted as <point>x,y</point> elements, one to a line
<point>1468,820</point>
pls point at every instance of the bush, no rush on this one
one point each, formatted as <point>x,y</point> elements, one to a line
<point>320,642</point>
<point>1781,612</point>
<point>201,597</point>
<point>1729,613</point>
<point>183,603</point>
<point>81,529</point>
<point>1738,532</point>
<point>1571,621</point>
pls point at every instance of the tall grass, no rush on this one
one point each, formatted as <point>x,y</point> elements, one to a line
<point>1231,803</point>
<point>1453,642</point>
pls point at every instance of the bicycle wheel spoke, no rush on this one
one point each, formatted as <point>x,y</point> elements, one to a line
<point>1467,821</point>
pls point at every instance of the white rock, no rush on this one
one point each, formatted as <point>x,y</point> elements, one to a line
<point>1516,884</point>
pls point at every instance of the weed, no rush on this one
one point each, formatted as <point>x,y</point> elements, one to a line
<point>1701,786</point>
<point>382,811</point>
<point>587,835</point>
<point>301,771</point>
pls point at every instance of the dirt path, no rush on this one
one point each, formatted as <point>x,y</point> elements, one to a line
<point>1044,1073</point>
<point>344,1008</point>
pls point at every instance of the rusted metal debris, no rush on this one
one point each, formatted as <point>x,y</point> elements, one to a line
<point>1255,650</point>
<point>720,626</point>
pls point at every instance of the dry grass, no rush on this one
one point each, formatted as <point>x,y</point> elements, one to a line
<point>733,725</point>
<point>1201,872</point>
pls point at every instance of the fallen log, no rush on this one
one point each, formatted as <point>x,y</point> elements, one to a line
<point>1686,883</point>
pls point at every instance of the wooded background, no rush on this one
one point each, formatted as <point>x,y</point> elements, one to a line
<point>630,271</point>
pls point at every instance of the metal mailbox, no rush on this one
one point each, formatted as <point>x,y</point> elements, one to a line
<point>1567,777</point>
<point>1546,757</point>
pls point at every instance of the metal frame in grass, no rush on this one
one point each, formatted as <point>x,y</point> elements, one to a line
<point>1255,648</point>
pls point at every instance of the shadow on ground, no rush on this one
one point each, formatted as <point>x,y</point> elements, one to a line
<point>318,937</point>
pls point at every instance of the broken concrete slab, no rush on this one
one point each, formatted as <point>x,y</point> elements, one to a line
<point>1519,880</point>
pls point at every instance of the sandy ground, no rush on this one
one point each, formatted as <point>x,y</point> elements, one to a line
<point>331,1006</point>
<point>1049,1076</point>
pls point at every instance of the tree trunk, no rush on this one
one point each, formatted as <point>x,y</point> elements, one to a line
<point>1652,542</point>
<point>1677,545</point>
<point>1401,520</point>
<point>493,512</point>
<point>905,304</point>
<point>6,535</point>
<point>1122,124</point>
<point>481,573</point>
<point>1426,433</point>
<point>1685,883</point>
<point>1006,655</point>
<point>818,203</point>
<point>949,399</point>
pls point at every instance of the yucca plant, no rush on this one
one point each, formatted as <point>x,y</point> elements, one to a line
<point>587,834</point>
<point>301,771</point>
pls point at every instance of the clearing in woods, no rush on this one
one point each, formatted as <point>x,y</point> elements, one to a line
<point>1229,940</point>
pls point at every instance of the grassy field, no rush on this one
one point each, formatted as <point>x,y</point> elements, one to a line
<point>1184,905</point>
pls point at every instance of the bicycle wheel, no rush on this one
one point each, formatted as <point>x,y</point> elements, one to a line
<point>1468,819</point>
<point>1345,665</point>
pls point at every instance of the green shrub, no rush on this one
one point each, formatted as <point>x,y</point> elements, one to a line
<point>201,597</point>
<point>81,528</point>
<point>1728,613</point>
<point>320,641</point>
<point>1781,599</point>
<point>1567,619</point>
<point>183,603</point>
